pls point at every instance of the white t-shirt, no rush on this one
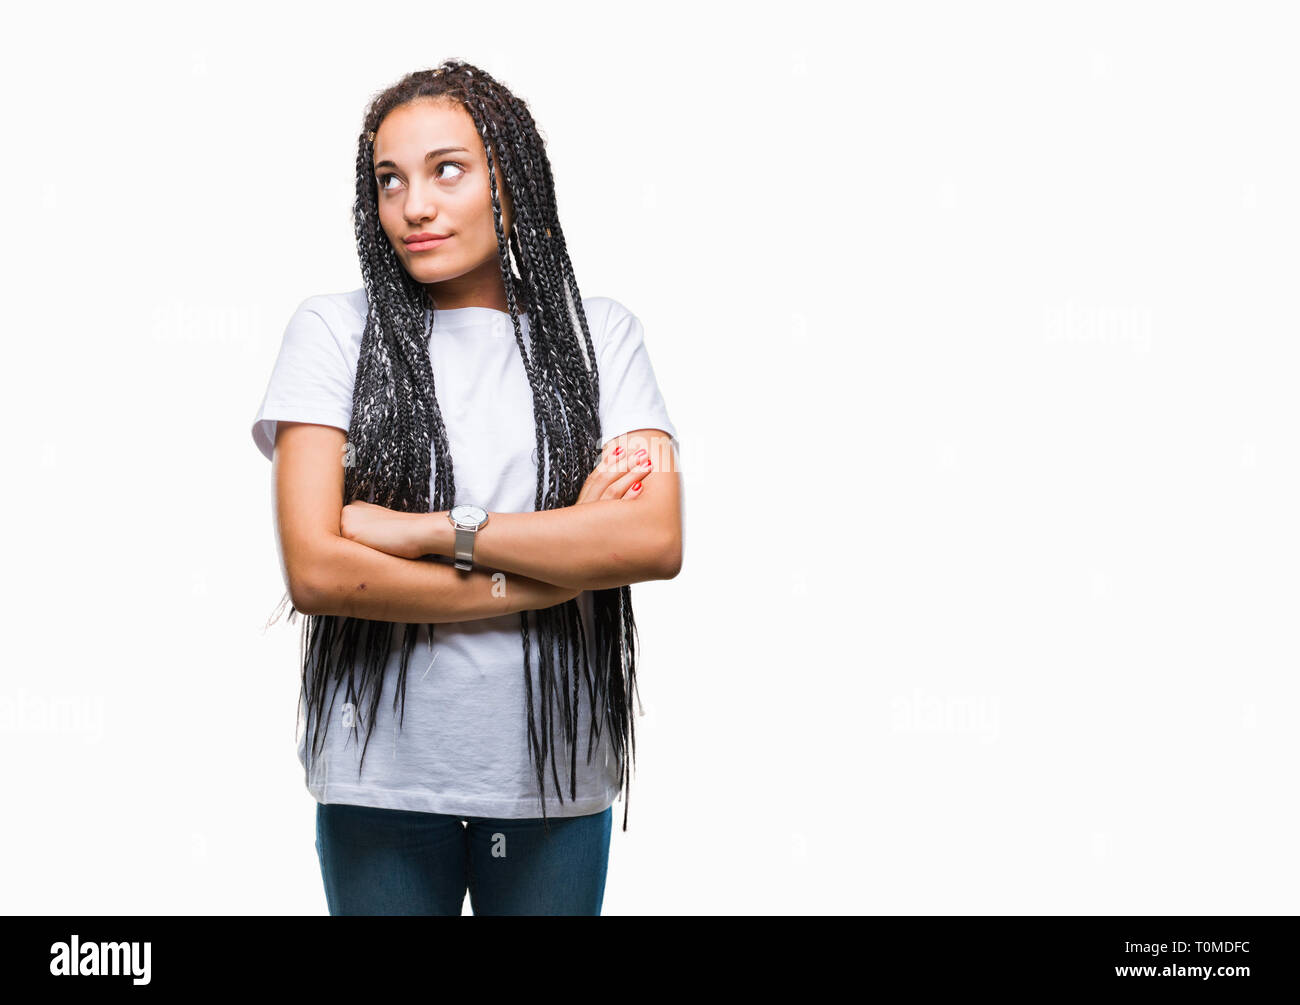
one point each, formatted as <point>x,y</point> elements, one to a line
<point>462,748</point>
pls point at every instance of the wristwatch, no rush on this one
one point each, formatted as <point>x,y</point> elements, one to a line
<point>467,519</point>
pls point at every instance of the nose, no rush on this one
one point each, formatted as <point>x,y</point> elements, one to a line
<point>420,204</point>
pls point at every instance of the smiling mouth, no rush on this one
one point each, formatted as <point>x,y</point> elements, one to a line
<point>432,242</point>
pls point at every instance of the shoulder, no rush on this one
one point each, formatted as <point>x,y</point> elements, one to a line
<point>341,309</point>
<point>605,308</point>
<point>607,318</point>
<point>338,318</point>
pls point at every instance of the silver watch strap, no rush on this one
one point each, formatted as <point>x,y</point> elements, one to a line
<point>465,548</point>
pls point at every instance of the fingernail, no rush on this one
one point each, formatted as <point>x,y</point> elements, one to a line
<point>639,452</point>
<point>617,451</point>
<point>636,487</point>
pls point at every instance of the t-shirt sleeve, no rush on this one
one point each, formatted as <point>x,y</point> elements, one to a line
<point>629,393</point>
<point>312,378</point>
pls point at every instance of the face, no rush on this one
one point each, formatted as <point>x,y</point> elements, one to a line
<point>431,177</point>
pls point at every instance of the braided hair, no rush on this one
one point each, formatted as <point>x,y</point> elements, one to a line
<point>397,423</point>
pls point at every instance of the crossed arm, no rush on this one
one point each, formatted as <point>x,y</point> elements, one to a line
<point>523,561</point>
<point>589,546</point>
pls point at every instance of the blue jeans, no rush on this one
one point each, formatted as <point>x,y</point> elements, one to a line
<point>380,861</point>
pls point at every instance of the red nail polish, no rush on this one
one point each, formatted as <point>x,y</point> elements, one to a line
<point>617,451</point>
<point>636,487</point>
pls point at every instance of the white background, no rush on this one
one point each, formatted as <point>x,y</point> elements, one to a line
<point>977,322</point>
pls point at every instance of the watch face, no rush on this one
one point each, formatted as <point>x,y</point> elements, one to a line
<point>468,514</point>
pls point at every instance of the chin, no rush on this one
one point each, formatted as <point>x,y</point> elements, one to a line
<point>423,273</point>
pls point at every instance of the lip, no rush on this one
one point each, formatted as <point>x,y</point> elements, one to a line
<point>424,241</point>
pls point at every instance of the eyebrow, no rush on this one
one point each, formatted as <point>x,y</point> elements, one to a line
<point>427,157</point>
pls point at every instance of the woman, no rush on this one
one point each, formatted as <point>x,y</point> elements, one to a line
<point>504,575</point>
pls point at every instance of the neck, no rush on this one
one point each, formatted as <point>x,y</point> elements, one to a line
<point>470,290</point>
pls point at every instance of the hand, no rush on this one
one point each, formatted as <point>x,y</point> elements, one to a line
<point>405,535</point>
<point>619,470</point>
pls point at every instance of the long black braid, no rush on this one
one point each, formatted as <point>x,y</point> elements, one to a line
<point>397,424</point>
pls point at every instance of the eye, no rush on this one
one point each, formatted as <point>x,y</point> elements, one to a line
<point>383,178</point>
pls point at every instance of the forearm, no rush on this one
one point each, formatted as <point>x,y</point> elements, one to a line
<point>590,546</point>
<point>352,580</point>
